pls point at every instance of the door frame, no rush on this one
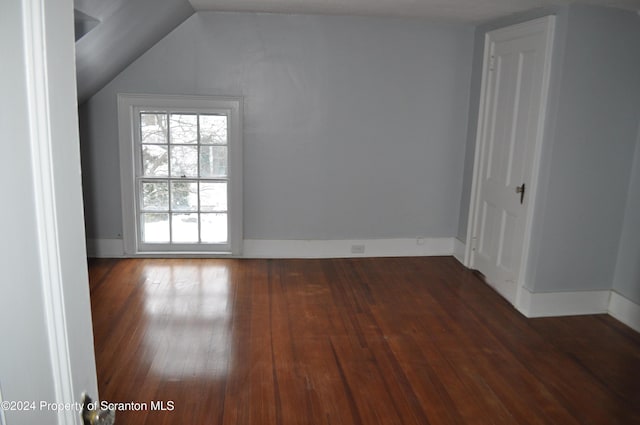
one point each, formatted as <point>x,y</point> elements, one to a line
<point>548,23</point>
<point>53,134</point>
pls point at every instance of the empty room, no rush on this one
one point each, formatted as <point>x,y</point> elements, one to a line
<point>320,212</point>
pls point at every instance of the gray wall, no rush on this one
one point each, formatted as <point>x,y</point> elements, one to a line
<point>627,275</point>
<point>590,150</point>
<point>354,127</point>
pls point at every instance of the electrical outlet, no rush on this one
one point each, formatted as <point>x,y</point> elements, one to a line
<point>357,249</point>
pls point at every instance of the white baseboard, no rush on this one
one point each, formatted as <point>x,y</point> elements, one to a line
<point>546,304</point>
<point>625,310</point>
<point>105,248</point>
<point>458,249</point>
<point>410,247</point>
<point>260,248</point>
<point>542,304</point>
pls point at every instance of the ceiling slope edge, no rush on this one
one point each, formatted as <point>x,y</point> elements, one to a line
<point>121,37</point>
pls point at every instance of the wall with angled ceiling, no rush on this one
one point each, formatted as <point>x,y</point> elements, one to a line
<point>116,32</point>
<point>354,126</point>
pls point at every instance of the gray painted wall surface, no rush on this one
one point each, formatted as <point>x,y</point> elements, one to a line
<point>627,276</point>
<point>354,127</point>
<point>589,154</point>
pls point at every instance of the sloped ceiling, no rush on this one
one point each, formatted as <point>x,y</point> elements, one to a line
<point>119,31</point>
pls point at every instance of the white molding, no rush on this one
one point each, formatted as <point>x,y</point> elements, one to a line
<point>546,304</point>
<point>127,174</point>
<point>530,304</point>
<point>3,420</point>
<point>625,310</point>
<point>548,23</point>
<point>459,249</point>
<point>409,247</point>
<point>41,141</point>
<point>105,248</point>
<point>262,248</point>
<point>471,217</point>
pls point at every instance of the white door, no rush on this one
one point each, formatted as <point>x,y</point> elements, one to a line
<point>46,352</point>
<point>515,82</point>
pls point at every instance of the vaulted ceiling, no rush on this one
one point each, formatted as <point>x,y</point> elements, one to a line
<point>111,34</point>
<point>120,32</point>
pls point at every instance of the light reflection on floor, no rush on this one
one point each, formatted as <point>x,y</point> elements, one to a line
<point>188,310</point>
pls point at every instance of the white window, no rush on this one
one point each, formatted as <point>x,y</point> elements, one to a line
<point>181,159</point>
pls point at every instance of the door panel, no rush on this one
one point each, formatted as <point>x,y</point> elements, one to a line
<point>510,126</point>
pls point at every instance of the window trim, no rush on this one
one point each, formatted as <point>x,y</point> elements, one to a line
<point>128,105</point>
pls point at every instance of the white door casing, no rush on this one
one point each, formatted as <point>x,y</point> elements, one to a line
<point>48,356</point>
<point>515,83</point>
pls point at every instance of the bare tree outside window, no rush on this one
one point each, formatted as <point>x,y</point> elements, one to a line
<point>184,169</point>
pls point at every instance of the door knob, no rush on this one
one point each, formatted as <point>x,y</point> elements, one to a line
<point>92,414</point>
<point>520,190</point>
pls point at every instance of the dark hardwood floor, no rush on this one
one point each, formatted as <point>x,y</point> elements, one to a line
<point>349,341</point>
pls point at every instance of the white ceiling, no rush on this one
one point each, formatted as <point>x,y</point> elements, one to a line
<point>469,11</point>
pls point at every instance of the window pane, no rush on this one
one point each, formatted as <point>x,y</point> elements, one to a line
<point>184,227</point>
<point>184,196</point>
<point>184,161</point>
<point>213,129</point>
<point>155,228</point>
<point>155,196</point>
<point>213,228</point>
<point>155,161</point>
<point>153,127</point>
<point>184,128</point>
<point>213,196</point>
<point>213,161</point>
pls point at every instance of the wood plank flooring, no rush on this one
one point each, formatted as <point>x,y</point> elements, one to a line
<point>347,341</point>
